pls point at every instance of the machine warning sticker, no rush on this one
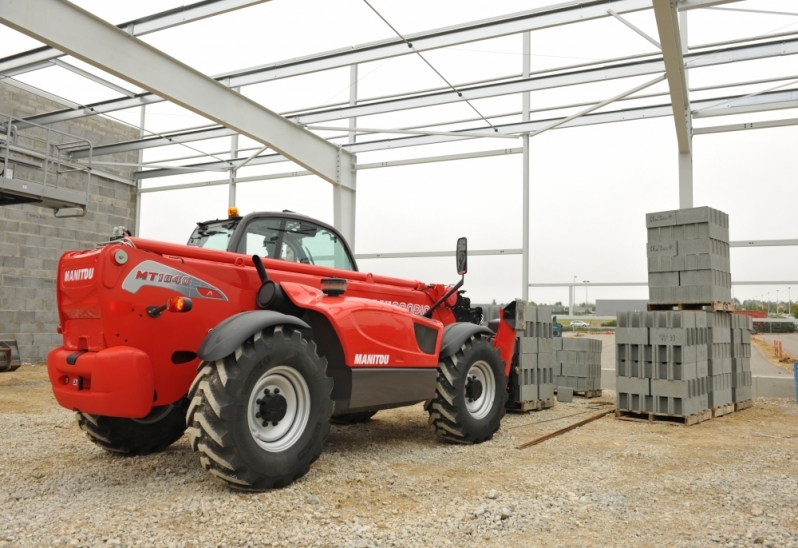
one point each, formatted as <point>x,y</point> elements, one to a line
<point>153,274</point>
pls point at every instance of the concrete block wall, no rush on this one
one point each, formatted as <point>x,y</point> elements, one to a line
<point>688,256</point>
<point>32,239</point>
<point>532,373</point>
<point>577,363</point>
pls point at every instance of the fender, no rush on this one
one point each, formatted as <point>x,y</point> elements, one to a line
<point>454,335</point>
<point>227,336</point>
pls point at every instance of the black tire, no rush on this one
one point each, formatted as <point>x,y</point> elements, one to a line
<point>353,418</point>
<point>225,405</point>
<point>449,410</point>
<point>152,434</point>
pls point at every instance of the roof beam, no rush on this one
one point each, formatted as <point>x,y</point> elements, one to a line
<point>666,14</point>
<point>746,126</point>
<point>28,60</point>
<point>536,19</point>
<point>87,37</point>
<point>770,101</point>
<point>583,76</point>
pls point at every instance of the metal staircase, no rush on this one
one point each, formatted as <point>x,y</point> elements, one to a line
<point>36,170</point>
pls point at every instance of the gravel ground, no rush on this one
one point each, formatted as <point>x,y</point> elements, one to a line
<point>731,481</point>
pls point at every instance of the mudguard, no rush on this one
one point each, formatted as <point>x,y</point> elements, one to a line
<point>454,335</point>
<point>226,337</point>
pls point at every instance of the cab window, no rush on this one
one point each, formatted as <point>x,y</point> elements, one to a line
<point>261,238</point>
<point>296,241</point>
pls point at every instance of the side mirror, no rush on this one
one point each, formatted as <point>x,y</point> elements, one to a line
<point>462,256</point>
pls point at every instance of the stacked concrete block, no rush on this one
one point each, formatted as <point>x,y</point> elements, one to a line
<point>532,378</point>
<point>688,256</point>
<point>577,364</point>
<point>719,352</point>
<point>662,362</point>
<point>741,327</point>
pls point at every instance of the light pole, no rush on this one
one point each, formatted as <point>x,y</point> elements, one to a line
<point>587,301</point>
<point>573,298</point>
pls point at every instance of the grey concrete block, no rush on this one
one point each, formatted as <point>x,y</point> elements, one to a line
<point>661,250</point>
<point>705,261</point>
<point>565,394</point>
<point>719,335</point>
<point>741,379</point>
<point>680,371</point>
<point>633,385</point>
<point>668,336</point>
<point>577,370</point>
<point>702,215</point>
<point>680,406</point>
<point>705,277</point>
<point>719,366</point>
<point>535,345</point>
<point>546,391</point>
<point>704,245</point>
<point>663,279</point>
<point>556,343</point>
<point>634,402</point>
<point>680,389</point>
<point>741,365</point>
<point>662,295</point>
<point>661,218</point>
<point>741,394</point>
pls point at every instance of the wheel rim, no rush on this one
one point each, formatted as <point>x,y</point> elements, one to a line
<point>479,406</point>
<point>291,386</point>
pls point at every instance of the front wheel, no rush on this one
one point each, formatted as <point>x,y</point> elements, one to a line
<point>472,389</point>
<point>259,416</point>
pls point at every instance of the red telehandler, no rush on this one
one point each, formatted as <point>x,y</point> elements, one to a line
<point>257,334</point>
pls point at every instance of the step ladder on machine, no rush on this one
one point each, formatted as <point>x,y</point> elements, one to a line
<point>36,168</point>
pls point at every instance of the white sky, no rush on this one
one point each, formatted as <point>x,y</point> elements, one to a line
<point>590,186</point>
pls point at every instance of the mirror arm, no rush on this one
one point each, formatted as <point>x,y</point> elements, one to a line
<point>458,285</point>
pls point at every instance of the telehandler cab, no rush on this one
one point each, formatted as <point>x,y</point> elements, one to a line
<point>257,334</point>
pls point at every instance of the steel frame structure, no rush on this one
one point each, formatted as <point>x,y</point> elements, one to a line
<point>334,158</point>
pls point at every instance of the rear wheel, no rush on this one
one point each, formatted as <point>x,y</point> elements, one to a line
<point>353,418</point>
<point>152,434</point>
<point>472,389</point>
<point>259,416</point>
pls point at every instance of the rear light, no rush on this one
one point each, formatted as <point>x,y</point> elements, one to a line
<point>174,304</point>
<point>333,287</point>
<point>179,304</point>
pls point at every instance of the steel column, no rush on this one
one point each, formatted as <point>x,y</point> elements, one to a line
<point>525,173</point>
<point>137,228</point>
<point>79,33</point>
<point>345,199</point>
<point>671,39</point>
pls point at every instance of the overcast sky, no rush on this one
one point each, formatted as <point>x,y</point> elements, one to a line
<point>590,187</point>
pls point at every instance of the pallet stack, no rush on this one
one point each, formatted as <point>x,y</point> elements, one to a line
<point>577,364</point>
<point>685,365</point>
<point>661,363</point>
<point>688,257</point>
<point>532,371</point>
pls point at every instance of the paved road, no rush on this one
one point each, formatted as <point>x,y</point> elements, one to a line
<point>790,343</point>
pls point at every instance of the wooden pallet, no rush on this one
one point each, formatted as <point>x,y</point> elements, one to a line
<point>523,407</point>
<point>714,306</point>
<point>743,405</point>
<point>722,410</point>
<point>643,416</point>
<point>585,393</point>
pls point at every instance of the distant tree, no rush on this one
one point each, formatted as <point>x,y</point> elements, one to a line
<point>494,301</point>
<point>532,303</point>
<point>558,303</point>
